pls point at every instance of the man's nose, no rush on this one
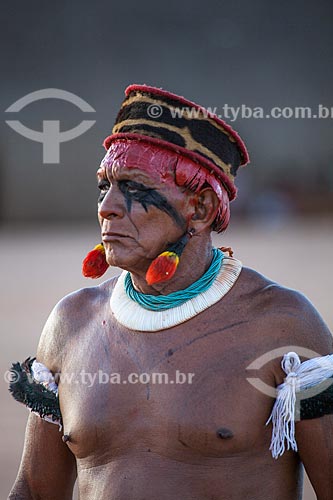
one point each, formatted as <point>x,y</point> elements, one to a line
<point>112,205</point>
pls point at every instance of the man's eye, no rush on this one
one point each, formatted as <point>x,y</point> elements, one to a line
<point>132,187</point>
<point>103,186</point>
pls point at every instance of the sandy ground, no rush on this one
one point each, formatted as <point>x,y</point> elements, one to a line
<point>41,265</point>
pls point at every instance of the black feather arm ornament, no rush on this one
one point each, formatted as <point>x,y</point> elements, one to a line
<point>33,394</point>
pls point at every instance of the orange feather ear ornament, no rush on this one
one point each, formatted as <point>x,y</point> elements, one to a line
<point>165,265</point>
<point>95,265</point>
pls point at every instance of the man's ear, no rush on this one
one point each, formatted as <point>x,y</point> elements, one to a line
<point>205,205</point>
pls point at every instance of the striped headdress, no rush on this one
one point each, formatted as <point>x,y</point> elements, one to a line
<point>154,115</point>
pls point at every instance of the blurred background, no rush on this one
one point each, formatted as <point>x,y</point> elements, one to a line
<point>256,54</point>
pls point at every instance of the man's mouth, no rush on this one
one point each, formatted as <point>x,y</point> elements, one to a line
<point>110,236</point>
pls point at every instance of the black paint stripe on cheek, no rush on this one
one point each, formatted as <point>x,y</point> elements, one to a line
<point>128,200</point>
<point>159,201</point>
<point>147,196</point>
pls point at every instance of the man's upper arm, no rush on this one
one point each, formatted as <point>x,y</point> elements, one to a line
<point>314,436</point>
<point>315,446</point>
<point>48,468</point>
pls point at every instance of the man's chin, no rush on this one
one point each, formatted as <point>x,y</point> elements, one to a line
<point>123,261</point>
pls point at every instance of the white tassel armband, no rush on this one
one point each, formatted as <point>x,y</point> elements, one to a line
<point>304,383</point>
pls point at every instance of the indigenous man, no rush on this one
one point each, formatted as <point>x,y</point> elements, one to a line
<point>184,310</point>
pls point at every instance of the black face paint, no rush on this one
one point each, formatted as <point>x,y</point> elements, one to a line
<point>146,196</point>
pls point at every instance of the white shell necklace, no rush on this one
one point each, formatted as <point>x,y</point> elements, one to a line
<point>135,317</point>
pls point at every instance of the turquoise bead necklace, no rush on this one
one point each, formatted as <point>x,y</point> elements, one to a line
<point>174,299</point>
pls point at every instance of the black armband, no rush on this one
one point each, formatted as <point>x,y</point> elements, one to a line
<point>316,401</point>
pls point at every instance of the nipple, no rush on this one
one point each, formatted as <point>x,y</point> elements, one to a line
<point>65,438</point>
<point>224,433</point>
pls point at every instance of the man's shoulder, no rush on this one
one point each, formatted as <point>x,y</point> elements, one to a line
<point>271,296</point>
<point>286,312</point>
<point>84,299</point>
<point>68,318</point>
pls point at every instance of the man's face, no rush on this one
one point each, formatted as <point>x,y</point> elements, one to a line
<point>140,214</point>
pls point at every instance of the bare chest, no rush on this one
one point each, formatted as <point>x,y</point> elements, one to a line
<point>182,393</point>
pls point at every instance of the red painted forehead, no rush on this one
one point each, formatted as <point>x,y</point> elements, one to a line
<point>157,162</point>
<point>161,164</point>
